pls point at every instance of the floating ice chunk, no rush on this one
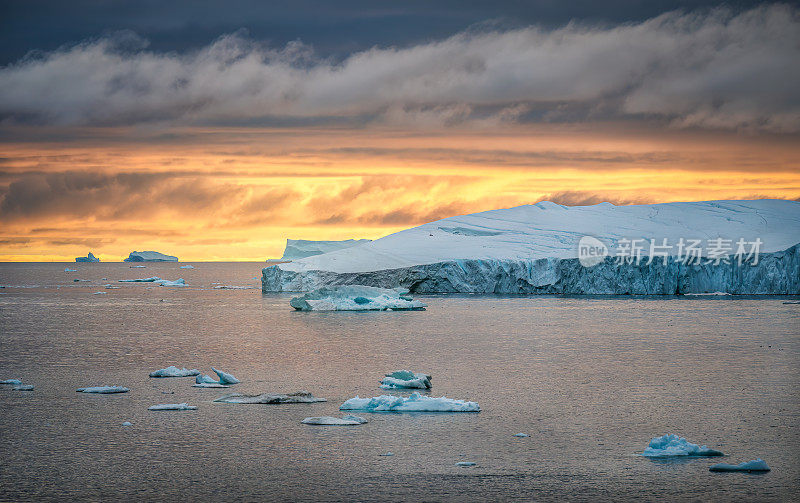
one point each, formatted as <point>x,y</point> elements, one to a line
<point>756,465</point>
<point>522,435</point>
<point>172,406</point>
<point>187,266</point>
<point>173,371</point>
<point>335,421</point>
<point>267,398</point>
<point>141,280</point>
<point>234,287</point>
<point>103,389</point>
<point>225,378</point>
<point>138,267</point>
<point>99,293</point>
<point>111,287</point>
<point>23,387</point>
<point>70,270</point>
<point>210,385</point>
<point>413,403</point>
<point>390,453</point>
<point>713,294</point>
<point>673,445</point>
<point>127,423</point>
<point>203,378</point>
<point>15,382</point>
<point>165,282</point>
<point>356,298</point>
<point>466,463</point>
<point>406,379</point>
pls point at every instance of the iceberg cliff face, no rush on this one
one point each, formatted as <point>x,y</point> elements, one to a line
<point>301,248</point>
<point>534,250</point>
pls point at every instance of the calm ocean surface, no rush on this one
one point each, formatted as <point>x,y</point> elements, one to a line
<point>591,380</point>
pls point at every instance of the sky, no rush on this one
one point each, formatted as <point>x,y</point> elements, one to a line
<point>217,130</point>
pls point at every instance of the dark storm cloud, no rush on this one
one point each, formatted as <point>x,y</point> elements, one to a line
<point>713,69</point>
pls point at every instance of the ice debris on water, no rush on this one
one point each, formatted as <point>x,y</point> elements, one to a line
<point>406,379</point>
<point>756,465</point>
<point>156,281</point>
<point>172,406</point>
<point>335,421</point>
<point>522,435</point>
<point>225,378</point>
<point>356,298</point>
<point>672,445</point>
<point>141,280</point>
<point>413,403</point>
<point>173,371</point>
<point>466,463</point>
<point>11,381</point>
<point>270,398</point>
<point>127,423</point>
<point>103,389</point>
<point>70,270</point>
<point>203,378</point>
<point>390,453</point>
<point>23,387</point>
<point>210,385</point>
<point>188,266</point>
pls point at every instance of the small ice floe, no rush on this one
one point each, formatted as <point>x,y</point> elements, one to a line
<point>234,287</point>
<point>335,421</point>
<point>225,378</point>
<point>23,387</point>
<point>77,280</point>
<point>70,270</point>
<point>406,379</point>
<point>138,266</point>
<point>14,382</point>
<point>522,435</point>
<point>209,385</point>
<point>390,453</point>
<point>173,371</point>
<point>99,293</point>
<point>466,463</point>
<point>792,302</point>
<point>356,298</point>
<point>172,406</point>
<point>203,378</point>
<point>187,266</point>
<point>103,389</point>
<point>127,423</point>
<point>269,398</point>
<point>756,465</point>
<point>414,403</point>
<point>177,283</point>
<point>141,280</point>
<point>673,445</point>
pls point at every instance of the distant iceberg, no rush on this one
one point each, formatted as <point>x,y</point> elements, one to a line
<point>172,406</point>
<point>413,403</point>
<point>88,258</point>
<point>673,445</point>
<point>150,256</point>
<point>173,371</point>
<point>756,465</point>
<point>103,389</point>
<point>356,298</point>
<point>225,378</point>
<point>268,398</point>
<point>335,421</point>
<point>406,379</point>
<point>301,248</point>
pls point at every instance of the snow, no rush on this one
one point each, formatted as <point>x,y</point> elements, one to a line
<point>756,465</point>
<point>406,379</point>
<point>673,445</point>
<point>335,421</point>
<point>15,382</point>
<point>149,256</point>
<point>356,298</point>
<point>23,387</point>
<point>88,258</point>
<point>533,249</point>
<point>172,406</point>
<point>103,389</point>
<point>187,266</point>
<point>466,463</point>
<point>173,371</point>
<point>301,248</point>
<point>413,403</point>
<point>267,398</point>
<point>225,378</point>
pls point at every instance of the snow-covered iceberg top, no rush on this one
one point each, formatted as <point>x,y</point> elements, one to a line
<point>406,379</point>
<point>672,445</point>
<point>270,398</point>
<point>149,256</point>
<point>103,389</point>
<point>87,258</point>
<point>756,465</point>
<point>301,248</point>
<point>356,298</point>
<point>335,421</point>
<point>172,406</point>
<point>413,403</point>
<point>173,371</point>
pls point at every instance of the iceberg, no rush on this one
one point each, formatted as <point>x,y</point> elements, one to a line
<point>335,421</point>
<point>356,298</point>
<point>413,403</point>
<point>225,378</point>
<point>267,398</point>
<point>14,382</point>
<point>23,387</point>
<point>172,406</point>
<point>533,249</point>
<point>187,266</point>
<point>103,389</point>
<point>301,248</point>
<point>173,371</point>
<point>756,465</point>
<point>673,445</point>
<point>149,256</point>
<point>87,258</point>
<point>406,379</point>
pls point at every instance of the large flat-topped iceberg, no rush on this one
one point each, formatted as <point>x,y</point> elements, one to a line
<point>534,249</point>
<point>301,248</point>
<point>150,256</point>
